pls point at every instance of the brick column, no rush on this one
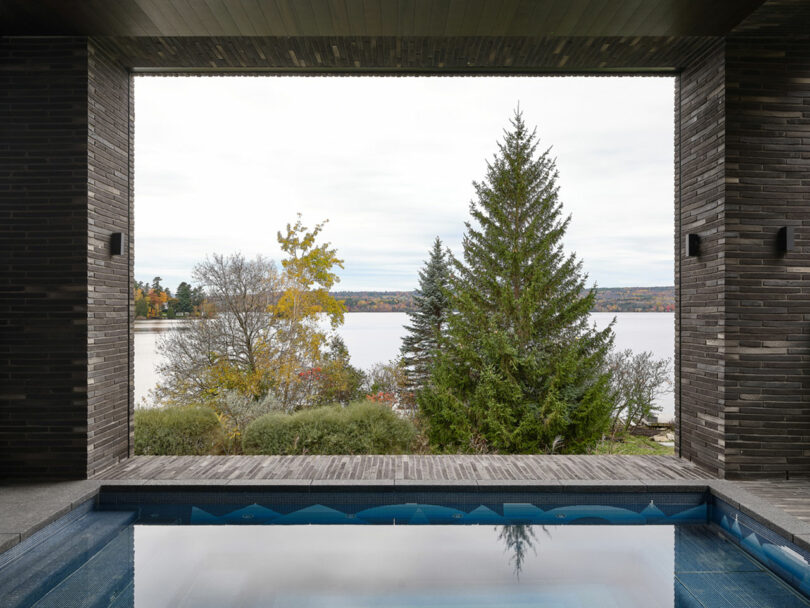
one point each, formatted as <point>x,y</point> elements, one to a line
<point>65,374</point>
<point>699,281</point>
<point>742,172</point>
<point>767,307</point>
<point>110,396</point>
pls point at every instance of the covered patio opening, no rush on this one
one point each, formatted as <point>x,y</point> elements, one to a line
<point>741,154</point>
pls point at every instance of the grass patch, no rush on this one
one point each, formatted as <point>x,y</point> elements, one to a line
<point>633,445</point>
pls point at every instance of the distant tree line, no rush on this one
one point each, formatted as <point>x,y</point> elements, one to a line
<point>608,299</point>
<point>154,304</point>
<point>377,301</point>
<point>154,301</point>
<point>635,299</point>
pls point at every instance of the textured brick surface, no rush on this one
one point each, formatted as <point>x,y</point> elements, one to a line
<point>743,164</point>
<point>43,253</point>
<point>767,295</point>
<point>64,322</point>
<point>109,373</point>
<point>699,281</point>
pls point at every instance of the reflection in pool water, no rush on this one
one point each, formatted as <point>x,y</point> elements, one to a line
<point>398,566</point>
<point>518,539</point>
<point>680,566</point>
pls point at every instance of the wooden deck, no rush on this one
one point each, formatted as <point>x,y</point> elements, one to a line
<point>425,468</point>
<point>793,496</point>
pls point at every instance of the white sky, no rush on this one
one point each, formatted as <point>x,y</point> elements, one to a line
<point>223,163</point>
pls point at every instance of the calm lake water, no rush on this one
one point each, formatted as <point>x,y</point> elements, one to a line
<point>375,336</point>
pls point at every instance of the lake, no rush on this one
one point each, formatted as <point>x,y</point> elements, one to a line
<point>375,336</point>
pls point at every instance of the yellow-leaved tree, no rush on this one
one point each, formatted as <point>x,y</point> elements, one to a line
<point>309,274</point>
<point>261,333</point>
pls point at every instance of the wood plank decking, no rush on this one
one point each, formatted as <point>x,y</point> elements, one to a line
<point>410,467</point>
<point>791,496</point>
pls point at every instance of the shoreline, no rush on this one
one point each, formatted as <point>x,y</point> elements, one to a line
<point>403,312</point>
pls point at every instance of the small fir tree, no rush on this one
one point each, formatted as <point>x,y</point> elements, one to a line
<point>521,370</point>
<point>428,322</point>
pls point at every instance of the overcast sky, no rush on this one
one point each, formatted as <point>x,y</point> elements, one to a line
<point>223,163</point>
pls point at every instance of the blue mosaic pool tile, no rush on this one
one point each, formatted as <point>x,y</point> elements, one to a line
<point>101,580</point>
<point>400,507</point>
<point>319,515</point>
<point>684,599</point>
<point>45,533</point>
<point>704,549</point>
<point>25,579</point>
<point>666,503</point>
<point>125,599</point>
<point>740,590</point>
<point>409,513</point>
<point>252,514</point>
<point>691,515</point>
<point>789,561</point>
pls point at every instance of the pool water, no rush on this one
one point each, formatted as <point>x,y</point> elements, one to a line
<point>289,551</point>
<point>481,566</point>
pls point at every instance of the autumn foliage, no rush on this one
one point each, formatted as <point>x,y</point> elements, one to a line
<point>261,336</point>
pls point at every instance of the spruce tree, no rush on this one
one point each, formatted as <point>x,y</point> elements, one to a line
<point>521,369</point>
<point>184,298</point>
<point>428,321</point>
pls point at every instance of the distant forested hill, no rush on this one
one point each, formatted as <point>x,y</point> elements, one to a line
<point>608,299</point>
<point>635,299</point>
<point>376,301</point>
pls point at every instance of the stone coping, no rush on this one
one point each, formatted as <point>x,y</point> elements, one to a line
<point>26,509</point>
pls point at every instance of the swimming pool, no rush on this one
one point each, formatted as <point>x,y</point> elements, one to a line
<point>426,548</point>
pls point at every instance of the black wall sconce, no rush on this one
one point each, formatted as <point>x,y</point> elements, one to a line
<point>117,243</point>
<point>785,239</point>
<point>692,245</point>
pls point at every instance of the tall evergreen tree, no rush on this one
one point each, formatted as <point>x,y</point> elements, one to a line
<point>184,298</point>
<point>521,370</point>
<point>428,322</point>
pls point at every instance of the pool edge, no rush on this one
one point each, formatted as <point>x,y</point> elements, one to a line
<point>49,502</point>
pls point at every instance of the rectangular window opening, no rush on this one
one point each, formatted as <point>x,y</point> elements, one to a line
<point>385,166</point>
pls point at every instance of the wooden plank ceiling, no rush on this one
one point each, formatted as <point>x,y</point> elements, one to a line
<point>431,55</point>
<point>323,18</point>
<point>405,36</point>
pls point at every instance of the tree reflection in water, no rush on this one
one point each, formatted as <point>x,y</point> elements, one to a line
<point>518,539</point>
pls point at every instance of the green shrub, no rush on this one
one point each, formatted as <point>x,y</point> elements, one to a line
<point>177,431</point>
<point>360,428</point>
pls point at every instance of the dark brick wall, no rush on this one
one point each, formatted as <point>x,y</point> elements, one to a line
<point>743,171</point>
<point>131,253</point>
<point>108,277</point>
<point>767,296</point>
<point>43,257</point>
<point>699,281</point>
<point>65,365</point>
